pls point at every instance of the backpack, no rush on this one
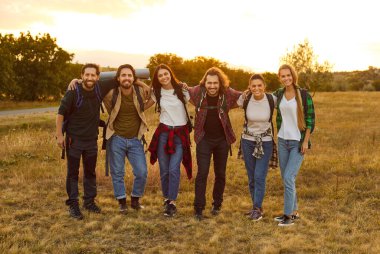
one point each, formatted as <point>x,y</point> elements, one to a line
<point>115,94</point>
<point>273,162</point>
<point>271,105</point>
<point>77,104</point>
<point>203,94</point>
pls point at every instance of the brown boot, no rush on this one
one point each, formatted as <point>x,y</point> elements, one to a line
<point>123,208</point>
<point>135,204</point>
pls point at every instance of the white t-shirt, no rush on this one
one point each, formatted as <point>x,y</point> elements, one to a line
<point>289,127</point>
<point>258,115</point>
<point>172,109</point>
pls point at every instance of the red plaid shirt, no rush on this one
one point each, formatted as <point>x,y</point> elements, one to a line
<point>231,97</point>
<point>183,134</point>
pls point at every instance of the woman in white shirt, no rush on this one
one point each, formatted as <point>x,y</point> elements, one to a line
<point>171,141</point>
<point>295,122</point>
<point>257,139</point>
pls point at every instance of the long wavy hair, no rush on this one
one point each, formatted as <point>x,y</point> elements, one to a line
<point>125,66</point>
<point>224,82</point>
<point>157,86</point>
<point>300,114</point>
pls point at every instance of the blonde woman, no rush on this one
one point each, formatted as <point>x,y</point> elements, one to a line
<point>295,123</point>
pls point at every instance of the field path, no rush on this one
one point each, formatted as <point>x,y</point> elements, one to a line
<point>27,111</point>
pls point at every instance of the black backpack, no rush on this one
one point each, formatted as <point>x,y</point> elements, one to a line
<point>76,104</point>
<point>203,95</point>
<point>271,105</point>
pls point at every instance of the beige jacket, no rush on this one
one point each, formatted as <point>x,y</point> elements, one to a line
<point>108,104</point>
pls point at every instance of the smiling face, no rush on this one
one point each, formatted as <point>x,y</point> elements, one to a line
<point>212,85</point>
<point>89,78</point>
<point>164,78</point>
<point>286,77</point>
<point>126,78</point>
<point>257,88</point>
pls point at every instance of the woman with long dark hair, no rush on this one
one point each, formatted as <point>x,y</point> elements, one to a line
<point>295,122</point>
<point>171,141</point>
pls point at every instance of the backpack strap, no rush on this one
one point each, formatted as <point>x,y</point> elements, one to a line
<point>304,100</point>
<point>202,94</point>
<point>139,97</point>
<point>99,95</point>
<point>79,96</point>
<point>115,93</point>
<point>271,105</point>
<point>245,105</point>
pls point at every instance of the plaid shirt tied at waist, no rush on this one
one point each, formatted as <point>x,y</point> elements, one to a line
<point>183,133</point>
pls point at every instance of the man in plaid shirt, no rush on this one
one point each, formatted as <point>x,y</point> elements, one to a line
<point>213,134</point>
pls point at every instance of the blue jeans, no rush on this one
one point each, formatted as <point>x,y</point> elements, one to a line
<point>134,150</point>
<point>290,162</point>
<point>169,166</point>
<point>257,169</point>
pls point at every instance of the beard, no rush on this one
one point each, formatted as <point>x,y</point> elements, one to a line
<point>212,92</point>
<point>126,84</point>
<point>89,84</point>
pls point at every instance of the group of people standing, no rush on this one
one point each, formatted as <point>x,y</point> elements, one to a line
<point>125,99</point>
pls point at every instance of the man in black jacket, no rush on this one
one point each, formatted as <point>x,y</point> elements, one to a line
<point>78,115</point>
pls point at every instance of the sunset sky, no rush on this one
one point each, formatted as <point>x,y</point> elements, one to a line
<point>251,34</point>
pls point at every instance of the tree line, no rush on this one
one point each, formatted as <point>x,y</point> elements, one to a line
<point>36,68</point>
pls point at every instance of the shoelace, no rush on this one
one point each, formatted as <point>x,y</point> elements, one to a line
<point>92,206</point>
<point>76,209</point>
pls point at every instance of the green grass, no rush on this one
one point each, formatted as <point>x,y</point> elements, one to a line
<point>338,190</point>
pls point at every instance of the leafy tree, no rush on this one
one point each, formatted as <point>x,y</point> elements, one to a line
<point>312,74</point>
<point>39,66</point>
<point>376,85</point>
<point>7,76</point>
<point>271,79</point>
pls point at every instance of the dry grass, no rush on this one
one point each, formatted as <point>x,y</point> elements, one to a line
<point>9,105</point>
<point>338,189</point>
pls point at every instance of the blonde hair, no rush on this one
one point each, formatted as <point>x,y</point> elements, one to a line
<point>300,114</point>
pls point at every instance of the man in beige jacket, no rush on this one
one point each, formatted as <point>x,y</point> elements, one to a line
<point>125,131</point>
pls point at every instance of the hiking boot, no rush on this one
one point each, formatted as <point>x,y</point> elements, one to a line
<point>250,212</point>
<point>295,216</point>
<point>256,215</point>
<point>170,210</point>
<point>282,217</point>
<point>216,209</point>
<point>92,207</point>
<point>198,215</point>
<point>287,221</point>
<point>166,203</point>
<point>135,204</point>
<point>123,208</point>
<point>75,212</point>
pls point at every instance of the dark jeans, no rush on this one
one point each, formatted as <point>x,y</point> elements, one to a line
<point>218,148</point>
<point>89,151</point>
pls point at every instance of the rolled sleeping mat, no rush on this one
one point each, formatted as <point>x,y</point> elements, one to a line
<point>142,73</point>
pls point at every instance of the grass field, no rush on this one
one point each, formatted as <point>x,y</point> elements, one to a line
<point>9,105</point>
<point>338,190</point>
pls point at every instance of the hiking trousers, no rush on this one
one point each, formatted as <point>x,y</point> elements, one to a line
<point>88,150</point>
<point>218,149</point>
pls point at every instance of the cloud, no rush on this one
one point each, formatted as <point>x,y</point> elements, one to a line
<point>20,14</point>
